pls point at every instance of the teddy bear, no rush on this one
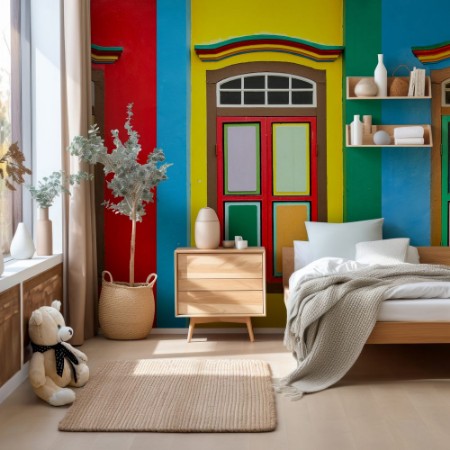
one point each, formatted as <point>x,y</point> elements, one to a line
<point>55,363</point>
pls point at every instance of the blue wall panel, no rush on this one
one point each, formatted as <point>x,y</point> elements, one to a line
<point>406,172</point>
<point>173,105</point>
<point>406,194</point>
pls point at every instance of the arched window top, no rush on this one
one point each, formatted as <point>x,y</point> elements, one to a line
<point>446,92</point>
<point>266,90</point>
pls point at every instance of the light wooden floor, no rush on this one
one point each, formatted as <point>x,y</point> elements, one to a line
<point>395,397</point>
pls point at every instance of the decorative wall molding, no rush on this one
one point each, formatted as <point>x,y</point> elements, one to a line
<point>267,43</point>
<point>432,53</point>
<point>105,55</point>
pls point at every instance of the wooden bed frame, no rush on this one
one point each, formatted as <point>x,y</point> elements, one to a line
<point>395,332</point>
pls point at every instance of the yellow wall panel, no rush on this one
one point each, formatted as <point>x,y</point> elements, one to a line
<point>319,22</point>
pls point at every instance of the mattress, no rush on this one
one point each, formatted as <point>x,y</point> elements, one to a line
<point>420,310</point>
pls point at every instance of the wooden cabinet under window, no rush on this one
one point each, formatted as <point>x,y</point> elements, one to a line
<point>39,291</point>
<point>22,294</point>
<point>10,343</point>
<point>220,285</point>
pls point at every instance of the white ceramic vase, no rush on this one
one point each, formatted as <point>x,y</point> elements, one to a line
<point>207,229</point>
<point>22,246</point>
<point>2,266</point>
<point>356,131</point>
<point>44,234</point>
<point>380,77</point>
<point>366,87</point>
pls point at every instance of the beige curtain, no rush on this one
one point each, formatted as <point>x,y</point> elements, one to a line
<point>80,261</point>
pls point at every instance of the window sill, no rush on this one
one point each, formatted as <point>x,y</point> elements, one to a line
<point>16,271</point>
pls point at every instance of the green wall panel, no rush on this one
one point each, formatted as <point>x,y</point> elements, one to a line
<point>445,180</point>
<point>362,166</point>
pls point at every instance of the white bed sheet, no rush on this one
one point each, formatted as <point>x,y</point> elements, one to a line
<point>410,302</point>
<point>420,310</point>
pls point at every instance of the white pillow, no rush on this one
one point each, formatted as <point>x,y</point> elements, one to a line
<point>386,251</point>
<point>412,255</point>
<point>302,254</point>
<point>339,239</point>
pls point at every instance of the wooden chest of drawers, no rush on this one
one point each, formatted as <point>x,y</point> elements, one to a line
<point>220,285</point>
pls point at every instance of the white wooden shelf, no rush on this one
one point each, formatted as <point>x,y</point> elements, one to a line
<point>352,81</point>
<point>368,138</point>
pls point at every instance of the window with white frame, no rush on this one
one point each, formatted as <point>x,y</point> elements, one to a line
<point>6,115</point>
<point>446,93</point>
<point>266,90</point>
<point>30,105</point>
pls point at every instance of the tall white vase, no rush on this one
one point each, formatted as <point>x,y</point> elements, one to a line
<point>2,266</point>
<point>356,131</point>
<point>380,77</point>
<point>207,229</point>
<point>44,234</point>
<point>22,246</point>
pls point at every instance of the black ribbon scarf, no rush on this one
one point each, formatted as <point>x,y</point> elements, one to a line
<point>61,353</point>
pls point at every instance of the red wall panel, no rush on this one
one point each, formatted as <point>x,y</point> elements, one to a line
<point>129,24</point>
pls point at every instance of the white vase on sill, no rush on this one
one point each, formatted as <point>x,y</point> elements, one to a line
<point>44,235</point>
<point>22,246</point>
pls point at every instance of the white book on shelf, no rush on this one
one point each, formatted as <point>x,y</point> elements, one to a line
<point>420,83</point>
<point>412,82</point>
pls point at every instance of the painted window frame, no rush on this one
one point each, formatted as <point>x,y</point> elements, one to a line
<point>266,197</point>
<point>267,90</point>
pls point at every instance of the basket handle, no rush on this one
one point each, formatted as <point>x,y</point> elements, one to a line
<point>400,67</point>
<point>153,281</point>
<point>105,272</point>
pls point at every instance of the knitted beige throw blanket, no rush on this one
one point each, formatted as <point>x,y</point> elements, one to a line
<point>332,317</point>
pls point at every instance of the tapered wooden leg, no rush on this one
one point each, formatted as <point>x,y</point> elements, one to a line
<point>191,329</point>
<point>248,321</point>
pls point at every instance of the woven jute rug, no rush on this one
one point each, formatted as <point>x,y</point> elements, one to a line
<point>175,395</point>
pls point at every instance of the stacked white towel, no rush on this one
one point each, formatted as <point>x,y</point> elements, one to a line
<point>409,135</point>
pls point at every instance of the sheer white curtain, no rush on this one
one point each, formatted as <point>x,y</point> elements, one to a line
<point>80,259</point>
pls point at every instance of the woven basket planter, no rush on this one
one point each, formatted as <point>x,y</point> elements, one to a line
<point>126,312</point>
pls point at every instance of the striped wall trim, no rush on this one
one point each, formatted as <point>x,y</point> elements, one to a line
<point>432,53</point>
<point>105,55</point>
<point>267,43</point>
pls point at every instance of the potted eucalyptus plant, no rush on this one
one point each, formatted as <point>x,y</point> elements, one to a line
<point>126,309</point>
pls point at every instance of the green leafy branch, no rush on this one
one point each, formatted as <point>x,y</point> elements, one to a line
<point>56,183</point>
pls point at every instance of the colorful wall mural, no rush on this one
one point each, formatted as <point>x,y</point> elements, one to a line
<point>130,79</point>
<point>173,50</point>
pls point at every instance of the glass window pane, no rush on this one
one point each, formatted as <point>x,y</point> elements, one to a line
<point>288,226</point>
<point>230,98</point>
<point>279,98</point>
<point>254,98</point>
<point>302,98</point>
<point>233,84</point>
<point>256,82</point>
<point>301,84</point>
<point>241,158</point>
<point>243,219</point>
<point>291,163</point>
<point>6,206</point>
<point>447,97</point>
<point>276,82</point>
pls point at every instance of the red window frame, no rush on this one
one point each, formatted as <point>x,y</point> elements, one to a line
<point>266,196</point>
